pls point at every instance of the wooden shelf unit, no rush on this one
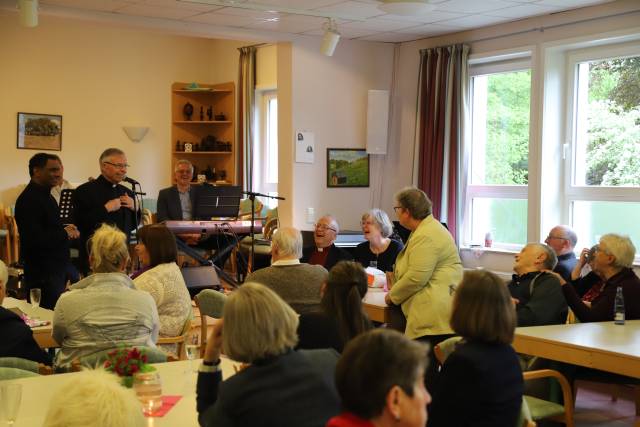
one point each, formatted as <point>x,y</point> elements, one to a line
<point>221,98</point>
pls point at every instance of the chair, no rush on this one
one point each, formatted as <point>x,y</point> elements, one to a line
<point>154,355</point>
<point>210,303</point>
<point>180,339</point>
<point>25,365</point>
<point>15,373</point>
<point>533,409</point>
<point>244,211</point>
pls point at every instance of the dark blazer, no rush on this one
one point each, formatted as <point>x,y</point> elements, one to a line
<point>480,385</point>
<point>335,255</point>
<point>169,207</point>
<point>17,339</point>
<point>295,389</point>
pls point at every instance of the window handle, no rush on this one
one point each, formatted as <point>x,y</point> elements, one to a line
<point>565,150</point>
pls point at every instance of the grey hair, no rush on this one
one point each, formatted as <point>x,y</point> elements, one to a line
<point>183,162</point>
<point>621,247</point>
<point>415,201</point>
<point>4,274</point>
<point>288,240</point>
<point>381,219</point>
<point>108,249</point>
<point>333,222</point>
<point>569,234</point>
<point>110,152</point>
<point>551,260</point>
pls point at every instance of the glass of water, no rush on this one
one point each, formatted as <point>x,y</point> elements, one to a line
<point>35,295</point>
<point>10,397</point>
<point>373,264</point>
<point>193,350</point>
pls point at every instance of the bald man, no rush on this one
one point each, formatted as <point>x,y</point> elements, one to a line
<point>562,239</point>
<point>325,252</point>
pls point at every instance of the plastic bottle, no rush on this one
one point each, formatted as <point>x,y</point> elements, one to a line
<point>618,308</point>
<point>488,240</point>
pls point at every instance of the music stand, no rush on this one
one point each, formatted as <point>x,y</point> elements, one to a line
<point>218,202</point>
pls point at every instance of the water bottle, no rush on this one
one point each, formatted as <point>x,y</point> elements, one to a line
<point>618,308</point>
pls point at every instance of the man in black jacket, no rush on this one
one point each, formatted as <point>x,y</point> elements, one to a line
<point>325,252</point>
<point>17,338</point>
<point>44,240</point>
<point>104,200</point>
<point>178,202</point>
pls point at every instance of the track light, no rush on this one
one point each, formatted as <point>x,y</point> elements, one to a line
<point>406,7</point>
<point>28,13</point>
<point>330,38</point>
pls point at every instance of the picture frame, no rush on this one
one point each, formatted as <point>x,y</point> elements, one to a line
<point>347,167</point>
<point>39,131</point>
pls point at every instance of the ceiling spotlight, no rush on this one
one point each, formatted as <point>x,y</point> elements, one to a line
<point>330,38</point>
<point>406,7</point>
<point>28,13</point>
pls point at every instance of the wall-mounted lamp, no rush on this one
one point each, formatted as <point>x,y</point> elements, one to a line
<point>331,37</point>
<point>135,133</point>
<point>28,13</point>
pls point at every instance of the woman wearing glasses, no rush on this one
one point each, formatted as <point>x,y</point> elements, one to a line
<point>426,272</point>
<point>379,251</point>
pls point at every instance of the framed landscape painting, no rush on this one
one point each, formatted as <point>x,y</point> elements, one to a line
<point>347,167</point>
<point>39,131</point>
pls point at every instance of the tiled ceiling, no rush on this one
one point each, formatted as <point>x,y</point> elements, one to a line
<point>356,19</point>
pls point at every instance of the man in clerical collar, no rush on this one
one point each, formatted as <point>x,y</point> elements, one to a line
<point>44,240</point>
<point>325,252</point>
<point>537,294</point>
<point>105,200</point>
<point>562,239</point>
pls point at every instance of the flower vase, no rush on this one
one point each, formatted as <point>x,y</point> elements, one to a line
<point>127,381</point>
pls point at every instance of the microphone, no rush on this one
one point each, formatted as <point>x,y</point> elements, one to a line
<point>131,181</point>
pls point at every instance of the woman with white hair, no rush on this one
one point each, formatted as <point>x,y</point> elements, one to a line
<point>379,250</point>
<point>94,398</point>
<point>104,310</point>
<point>612,262</point>
<point>280,386</point>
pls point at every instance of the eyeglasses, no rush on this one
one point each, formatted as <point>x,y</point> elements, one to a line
<point>549,237</point>
<point>363,223</point>
<point>397,207</point>
<point>324,227</point>
<point>118,165</point>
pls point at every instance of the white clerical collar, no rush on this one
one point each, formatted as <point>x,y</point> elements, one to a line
<point>286,262</point>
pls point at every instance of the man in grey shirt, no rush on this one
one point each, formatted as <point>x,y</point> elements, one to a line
<point>295,282</point>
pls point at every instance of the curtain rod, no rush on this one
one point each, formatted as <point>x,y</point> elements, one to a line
<point>257,45</point>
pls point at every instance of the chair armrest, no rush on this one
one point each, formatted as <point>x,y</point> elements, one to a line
<point>44,369</point>
<point>171,340</point>
<point>567,394</point>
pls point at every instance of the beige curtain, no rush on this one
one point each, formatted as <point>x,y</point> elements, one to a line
<point>246,102</point>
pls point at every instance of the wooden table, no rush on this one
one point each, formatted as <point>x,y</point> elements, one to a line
<point>599,345</point>
<point>42,334</point>
<point>176,380</point>
<point>375,307</point>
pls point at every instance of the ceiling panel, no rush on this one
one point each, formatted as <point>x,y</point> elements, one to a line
<point>158,11</point>
<point>523,10</point>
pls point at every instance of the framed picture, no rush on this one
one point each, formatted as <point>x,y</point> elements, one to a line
<point>347,167</point>
<point>39,131</point>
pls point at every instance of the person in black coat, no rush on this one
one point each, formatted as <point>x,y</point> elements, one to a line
<point>17,338</point>
<point>104,200</point>
<point>325,252</point>
<point>178,202</point>
<point>280,386</point>
<point>44,240</point>
<point>480,383</point>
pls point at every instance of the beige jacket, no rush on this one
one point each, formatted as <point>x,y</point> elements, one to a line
<point>426,272</point>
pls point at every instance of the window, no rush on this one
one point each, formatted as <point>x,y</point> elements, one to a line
<point>266,145</point>
<point>496,191</point>
<point>602,188</point>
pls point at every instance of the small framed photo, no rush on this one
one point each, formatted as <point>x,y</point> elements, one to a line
<point>347,167</point>
<point>39,131</point>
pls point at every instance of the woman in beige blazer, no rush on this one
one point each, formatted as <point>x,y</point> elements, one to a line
<point>426,272</point>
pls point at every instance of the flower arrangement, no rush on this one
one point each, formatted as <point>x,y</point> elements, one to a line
<point>126,362</point>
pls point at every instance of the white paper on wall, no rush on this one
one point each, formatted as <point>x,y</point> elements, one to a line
<point>305,147</point>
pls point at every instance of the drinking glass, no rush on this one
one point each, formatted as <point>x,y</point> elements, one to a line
<point>35,294</point>
<point>148,388</point>
<point>373,264</point>
<point>10,396</point>
<point>193,350</point>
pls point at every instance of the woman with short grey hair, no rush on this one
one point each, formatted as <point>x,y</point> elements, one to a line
<point>379,250</point>
<point>280,386</point>
<point>612,261</point>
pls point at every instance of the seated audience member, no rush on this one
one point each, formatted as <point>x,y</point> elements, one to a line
<point>325,252</point>
<point>589,286</point>
<point>480,383</point>
<point>295,282</point>
<point>341,317</point>
<point>612,262</point>
<point>537,293</point>
<point>280,386</point>
<point>17,338</point>
<point>380,378</point>
<point>178,202</point>
<point>162,278</point>
<point>562,239</point>
<point>379,250</point>
<point>104,310</point>
<point>94,398</point>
